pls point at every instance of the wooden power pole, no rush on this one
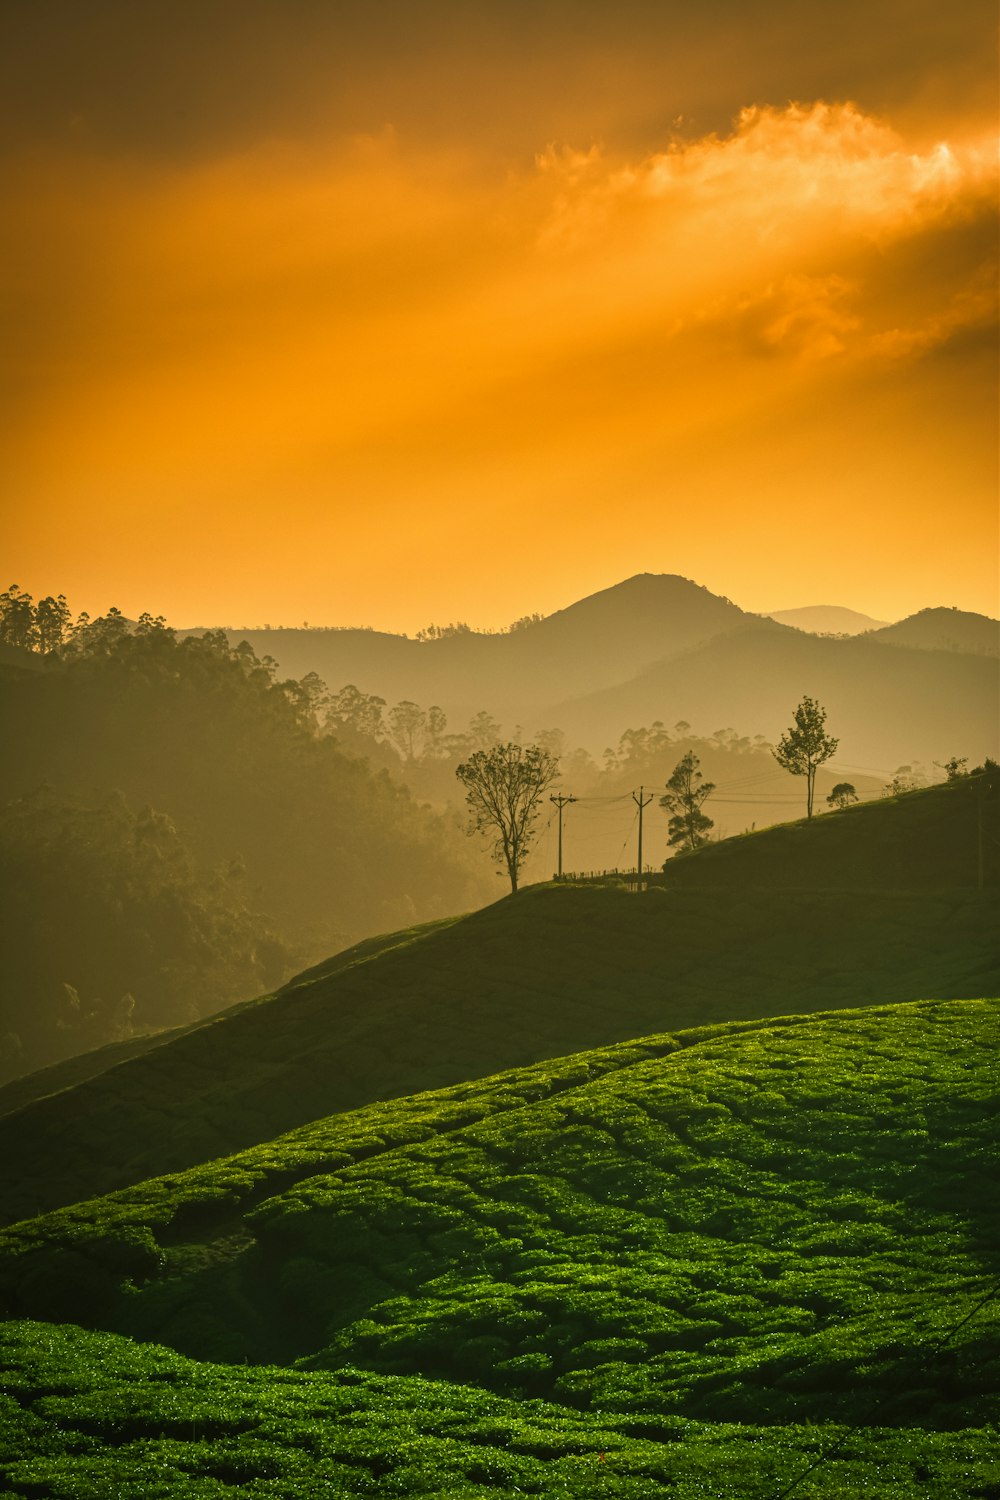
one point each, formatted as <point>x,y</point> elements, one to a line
<point>640,803</point>
<point>560,801</point>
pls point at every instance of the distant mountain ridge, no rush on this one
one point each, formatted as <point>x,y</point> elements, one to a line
<point>943,629</point>
<point>661,647</point>
<point>826,619</point>
<point>887,704</point>
<point>592,643</point>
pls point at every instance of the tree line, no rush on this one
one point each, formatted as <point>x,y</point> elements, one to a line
<point>182,782</point>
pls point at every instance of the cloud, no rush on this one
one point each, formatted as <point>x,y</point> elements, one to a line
<point>806,317</point>
<point>780,174</point>
<point>778,234</point>
<point>365,327</point>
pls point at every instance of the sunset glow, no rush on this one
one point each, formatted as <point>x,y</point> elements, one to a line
<point>341,357</point>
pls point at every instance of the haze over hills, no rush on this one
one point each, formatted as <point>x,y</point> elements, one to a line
<point>825,619</point>
<point>714,1235</point>
<point>659,647</point>
<point>592,643</point>
<point>886,704</point>
<point>945,630</point>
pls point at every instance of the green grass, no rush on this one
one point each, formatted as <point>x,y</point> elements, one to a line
<point>922,840</point>
<point>555,971</point>
<point>89,1416</point>
<point>771,1219</point>
<point>696,1264</point>
<point>709,1257</point>
<point>744,929</point>
<point>86,1065</point>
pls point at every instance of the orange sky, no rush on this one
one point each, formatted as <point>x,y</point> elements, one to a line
<point>385,313</point>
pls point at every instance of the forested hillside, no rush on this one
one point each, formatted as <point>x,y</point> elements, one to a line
<point>177,825</point>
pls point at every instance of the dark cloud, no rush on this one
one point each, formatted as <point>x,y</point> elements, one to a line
<point>176,77</point>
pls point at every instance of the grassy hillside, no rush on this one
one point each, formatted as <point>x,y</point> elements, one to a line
<point>690,1262</point>
<point>73,1070</point>
<point>928,839</point>
<point>558,970</point>
<point>92,1415</point>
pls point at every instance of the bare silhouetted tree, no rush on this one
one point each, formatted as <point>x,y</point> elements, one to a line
<point>504,786</point>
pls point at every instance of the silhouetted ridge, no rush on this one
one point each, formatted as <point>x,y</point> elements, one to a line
<point>945,630</point>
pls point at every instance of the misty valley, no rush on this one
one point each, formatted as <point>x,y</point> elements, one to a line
<point>453,1066</point>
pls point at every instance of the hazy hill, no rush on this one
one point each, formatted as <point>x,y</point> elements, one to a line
<point>556,970</point>
<point>592,643</point>
<point>331,849</point>
<point>825,619</point>
<point>565,1280</point>
<point>659,647</point>
<point>887,704</point>
<point>945,630</point>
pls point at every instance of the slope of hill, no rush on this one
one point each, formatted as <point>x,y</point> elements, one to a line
<point>944,630</point>
<point>887,704</point>
<point>825,619</point>
<point>592,643</point>
<point>556,970</point>
<point>73,1070</point>
<point>785,1225</point>
<point>942,836</point>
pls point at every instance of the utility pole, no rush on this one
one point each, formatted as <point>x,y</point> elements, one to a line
<point>560,802</point>
<point>640,803</point>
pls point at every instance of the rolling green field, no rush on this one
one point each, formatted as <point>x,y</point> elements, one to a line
<point>431,1221</point>
<point>558,970</point>
<point>91,1416</point>
<point>727,1247</point>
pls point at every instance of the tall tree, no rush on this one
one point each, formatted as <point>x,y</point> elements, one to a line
<point>484,730</point>
<point>356,712</point>
<point>503,790</point>
<point>686,793</point>
<point>407,726</point>
<point>437,723</point>
<point>18,626</point>
<point>52,622</point>
<point>805,746</point>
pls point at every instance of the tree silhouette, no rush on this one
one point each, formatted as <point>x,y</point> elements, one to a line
<point>805,746</point>
<point>407,725</point>
<point>686,792</point>
<point>842,795</point>
<point>503,789</point>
